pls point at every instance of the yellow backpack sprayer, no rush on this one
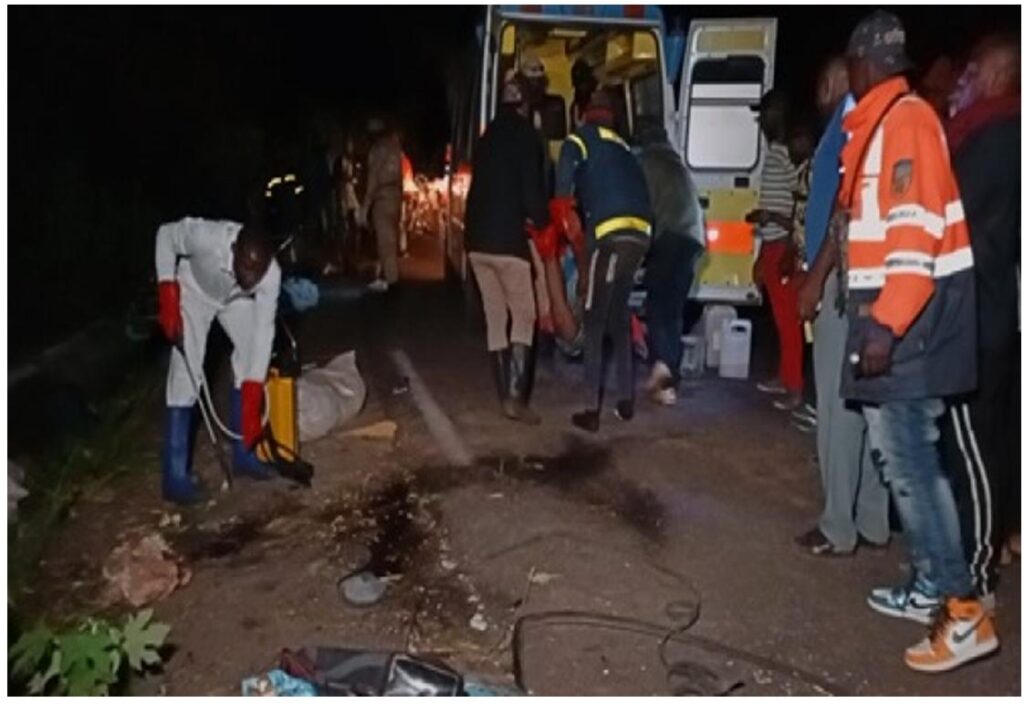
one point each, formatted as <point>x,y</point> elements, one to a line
<point>279,446</point>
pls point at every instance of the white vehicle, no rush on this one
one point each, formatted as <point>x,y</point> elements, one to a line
<point>709,109</point>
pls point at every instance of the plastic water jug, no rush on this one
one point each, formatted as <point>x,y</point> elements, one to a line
<point>735,357</point>
<point>715,319</point>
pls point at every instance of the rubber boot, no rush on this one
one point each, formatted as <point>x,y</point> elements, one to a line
<point>179,485</point>
<point>519,384</point>
<point>589,420</point>
<point>499,370</point>
<point>244,462</point>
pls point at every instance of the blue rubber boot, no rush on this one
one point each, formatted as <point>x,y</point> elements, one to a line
<point>179,485</point>
<point>244,462</point>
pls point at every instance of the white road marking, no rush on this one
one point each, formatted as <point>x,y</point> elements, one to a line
<point>439,424</point>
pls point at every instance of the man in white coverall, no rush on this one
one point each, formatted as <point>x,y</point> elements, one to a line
<point>206,270</point>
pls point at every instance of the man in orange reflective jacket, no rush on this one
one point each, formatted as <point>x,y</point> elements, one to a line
<point>911,343</point>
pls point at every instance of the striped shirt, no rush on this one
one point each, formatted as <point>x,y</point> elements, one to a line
<point>778,182</point>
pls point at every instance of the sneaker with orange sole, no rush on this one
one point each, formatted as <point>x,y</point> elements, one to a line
<point>963,631</point>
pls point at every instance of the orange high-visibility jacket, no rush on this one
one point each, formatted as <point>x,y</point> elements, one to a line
<point>910,265</point>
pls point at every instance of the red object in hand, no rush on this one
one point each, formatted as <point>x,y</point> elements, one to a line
<point>546,323</point>
<point>252,406</point>
<point>548,241</point>
<point>169,294</point>
<point>563,214</point>
<point>562,210</point>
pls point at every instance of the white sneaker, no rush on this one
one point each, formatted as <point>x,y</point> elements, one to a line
<point>377,285</point>
<point>905,602</point>
<point>665,396</point>
<point>661,376</point>
<point>962,632</point>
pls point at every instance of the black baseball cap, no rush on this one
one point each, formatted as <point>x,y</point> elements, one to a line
<point>880,38</point>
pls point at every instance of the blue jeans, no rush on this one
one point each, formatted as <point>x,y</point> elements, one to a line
<point>668,279</point>
<point>903,436</point>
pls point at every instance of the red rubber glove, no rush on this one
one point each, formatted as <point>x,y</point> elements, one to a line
<point>169,294</point>
<point>549,242</point>
<point>252,407</point>
<point>563,215</point>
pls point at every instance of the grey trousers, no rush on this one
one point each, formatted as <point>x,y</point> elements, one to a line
<point>856,501</point>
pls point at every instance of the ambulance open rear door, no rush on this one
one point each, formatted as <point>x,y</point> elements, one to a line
<point>728,65</point>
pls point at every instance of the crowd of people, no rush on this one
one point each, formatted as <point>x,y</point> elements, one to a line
<point>895,241</point>
<point>892,245</point>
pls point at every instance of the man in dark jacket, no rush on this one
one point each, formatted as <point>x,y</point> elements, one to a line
<point>981,431</point>
<point>597,168</point>
<point>506,194</point>
<point>677,245</point>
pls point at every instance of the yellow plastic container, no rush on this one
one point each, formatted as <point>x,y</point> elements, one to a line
<point>284,421</point>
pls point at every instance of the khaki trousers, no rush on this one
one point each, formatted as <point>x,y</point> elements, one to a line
<point>506,287</point>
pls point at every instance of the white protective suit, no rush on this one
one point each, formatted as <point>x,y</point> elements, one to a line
<point>198,254</point>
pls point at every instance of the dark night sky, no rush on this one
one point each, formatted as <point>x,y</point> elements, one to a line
<point>119,117</point>
<point>118,73</point>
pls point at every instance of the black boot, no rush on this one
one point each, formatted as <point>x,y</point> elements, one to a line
<point>519,383</point>
<point>499,369</point>
<point>589,420</point>
<point>624,410</point>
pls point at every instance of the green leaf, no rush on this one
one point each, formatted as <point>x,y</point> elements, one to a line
<point>29,651</point>
<point>39,681</point>
<point>86,663</point>
<point>142,640</point>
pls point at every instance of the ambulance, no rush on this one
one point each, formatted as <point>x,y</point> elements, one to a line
<point>704,86</point>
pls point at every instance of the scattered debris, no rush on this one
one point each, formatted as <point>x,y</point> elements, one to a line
<point>478,622</point>
<point>383,430</point>
<point>144,569</point>
<point>277,683</point>
<point>362,589</point>
<point>542,579</point>
<point>167,520</point>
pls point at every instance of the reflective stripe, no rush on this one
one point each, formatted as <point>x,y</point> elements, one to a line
<point>954,212</point>
<point>610,135</point>
<point>609,277</point>
<point>579,142</point>
<point>953,262</point>
<point>918,216</point>
<point>907,260</point>
<point>619,223</point>
<point>873,162</point>
<point>590,286</point>
<point>915,215</point>
<point>867,230</point>
<point>872,278</point>
<point>912,262</point>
